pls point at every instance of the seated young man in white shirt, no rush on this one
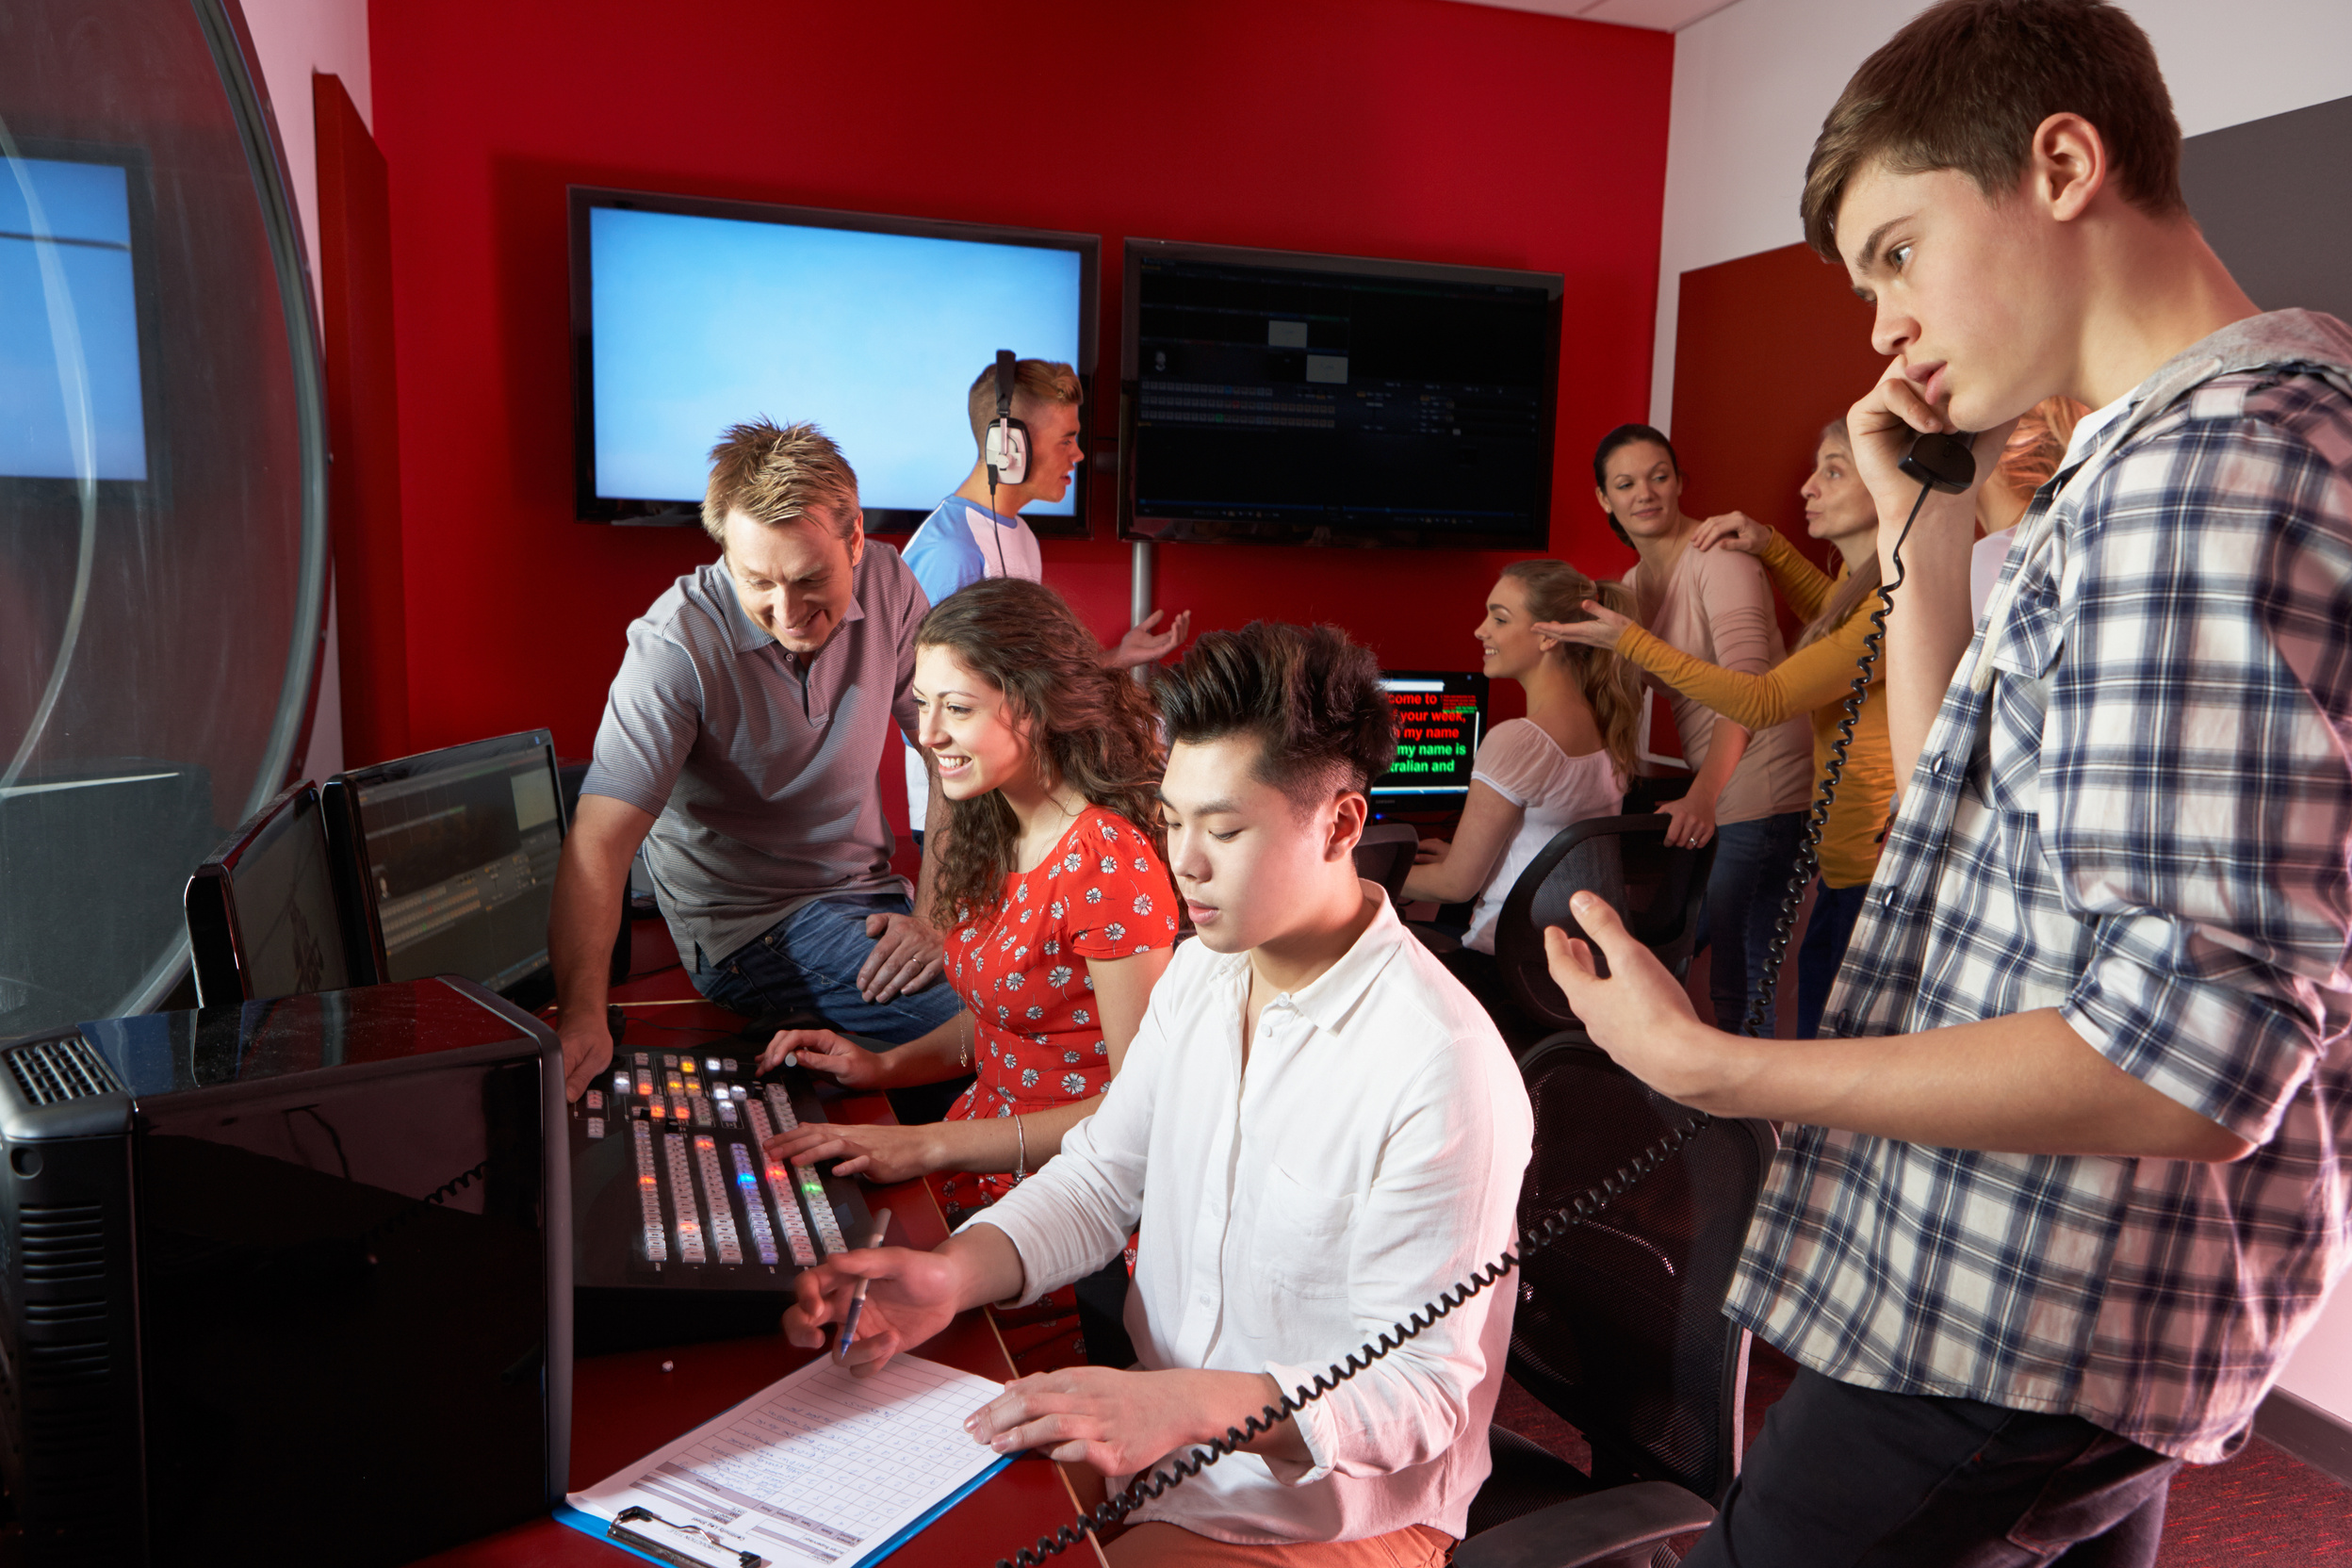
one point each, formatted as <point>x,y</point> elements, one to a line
<point>1318,1131</point>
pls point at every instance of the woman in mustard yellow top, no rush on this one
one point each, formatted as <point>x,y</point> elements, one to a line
<point>1814,679</point>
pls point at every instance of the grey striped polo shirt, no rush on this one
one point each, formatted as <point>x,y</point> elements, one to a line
<point>760,768</point>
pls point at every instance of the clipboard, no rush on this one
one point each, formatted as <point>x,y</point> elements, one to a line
<point>817,1470</point>
<point>588,1524</point>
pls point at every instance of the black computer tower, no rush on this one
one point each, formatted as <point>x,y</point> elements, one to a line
<point>285,1281</point>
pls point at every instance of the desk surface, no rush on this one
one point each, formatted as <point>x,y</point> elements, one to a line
<point>625,1406</point>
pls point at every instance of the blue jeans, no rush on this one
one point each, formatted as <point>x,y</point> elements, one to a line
<point>807,964</point>
<point>1826,933</point>
<point>1753,863</point>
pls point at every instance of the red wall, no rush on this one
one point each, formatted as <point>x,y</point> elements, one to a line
<point>1768,349</point>
<point>1414,128</point>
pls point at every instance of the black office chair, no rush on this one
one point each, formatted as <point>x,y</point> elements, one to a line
<point>1620,1327</point>
<point>1655,887</point>
<point>1384,855</point>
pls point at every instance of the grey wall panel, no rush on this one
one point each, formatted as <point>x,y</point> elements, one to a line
<point>2274,198</point>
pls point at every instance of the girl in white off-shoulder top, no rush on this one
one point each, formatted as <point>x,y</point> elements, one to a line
<point>1568,760</point>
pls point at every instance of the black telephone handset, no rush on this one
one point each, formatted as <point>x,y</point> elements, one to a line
<point>1940,462</point>
<point>1943,462</point>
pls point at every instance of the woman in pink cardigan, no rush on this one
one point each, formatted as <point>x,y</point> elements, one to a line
<point>1748,790</point>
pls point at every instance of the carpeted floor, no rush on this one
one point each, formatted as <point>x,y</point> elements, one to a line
<point>2265,1509</point>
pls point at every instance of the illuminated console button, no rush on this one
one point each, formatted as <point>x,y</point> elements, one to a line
<point>645,1083</point>
<point>821,1214</point>
<point>620,1084</point>
<point>726,1113</point>
<point>714,1199</point>
<point>755,1212</point>
<point>681,1187</point>
<point>713,1063</point>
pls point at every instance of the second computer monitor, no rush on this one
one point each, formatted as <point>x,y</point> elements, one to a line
<point>456,851</point>
<point>1441,717</point>
<point>262,915</point>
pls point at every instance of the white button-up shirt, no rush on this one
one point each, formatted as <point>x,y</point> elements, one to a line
<point>1369,1157</point>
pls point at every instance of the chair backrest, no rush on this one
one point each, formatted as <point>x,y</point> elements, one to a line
<point>1619,1327</point>
<point>1385,854</point>
<point>1656,889</point>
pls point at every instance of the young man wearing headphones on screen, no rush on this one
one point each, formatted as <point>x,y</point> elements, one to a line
<point>1026,422</point>
<point>1317,1129</point>
<point>2062,1186</point>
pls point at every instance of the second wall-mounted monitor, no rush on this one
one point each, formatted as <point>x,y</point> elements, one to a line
<point>689,316</point>
<point>1272,397</point>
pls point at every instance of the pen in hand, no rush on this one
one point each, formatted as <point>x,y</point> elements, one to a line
<point>858,1297</point>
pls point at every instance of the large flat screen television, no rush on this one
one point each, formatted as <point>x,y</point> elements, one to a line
<point>689,316</point>
<point>1272,397</point>
<point>77,367</point>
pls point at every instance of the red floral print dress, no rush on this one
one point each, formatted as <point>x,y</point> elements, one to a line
<point>1022,968</point>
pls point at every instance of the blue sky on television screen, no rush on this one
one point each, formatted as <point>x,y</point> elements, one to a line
<point>69,322</point>
<point>700,322</point>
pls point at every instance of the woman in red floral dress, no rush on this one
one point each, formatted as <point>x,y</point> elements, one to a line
<point>1058,906</point>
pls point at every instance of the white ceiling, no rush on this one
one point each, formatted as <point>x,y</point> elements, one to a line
<point>1663,15</point>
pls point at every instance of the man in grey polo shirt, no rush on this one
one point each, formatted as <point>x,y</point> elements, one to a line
<point>740,746</point>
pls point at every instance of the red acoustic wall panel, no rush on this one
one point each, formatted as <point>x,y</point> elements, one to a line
<point>1768,349</point>
<point>1413,128</point>
<point>363,426</point>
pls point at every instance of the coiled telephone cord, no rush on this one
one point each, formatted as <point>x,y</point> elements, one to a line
<point>1145,1488</point>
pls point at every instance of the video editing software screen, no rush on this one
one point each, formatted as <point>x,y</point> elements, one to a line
<point>460,851</point>
<point>1311,400</point>
<point>689,316</point>
<point>1441,715</point>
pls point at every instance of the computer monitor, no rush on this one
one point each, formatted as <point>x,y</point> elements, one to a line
<point>76,236</point>
<point>262,916</point>
<point>1277,398</point>
<point>1441,717</point>
<point>455,853</point>
<point>691,314</point>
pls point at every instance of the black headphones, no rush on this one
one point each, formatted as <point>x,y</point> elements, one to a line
<point>1007,447</point>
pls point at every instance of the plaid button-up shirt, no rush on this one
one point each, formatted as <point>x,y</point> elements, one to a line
<point>2135,807</point>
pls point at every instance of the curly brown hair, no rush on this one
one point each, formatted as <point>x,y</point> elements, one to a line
<point>1092,728</point>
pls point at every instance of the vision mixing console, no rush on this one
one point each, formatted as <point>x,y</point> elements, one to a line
<point>684,1227</point>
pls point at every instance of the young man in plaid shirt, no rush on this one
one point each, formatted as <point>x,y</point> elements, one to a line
<point>2061,1189</point>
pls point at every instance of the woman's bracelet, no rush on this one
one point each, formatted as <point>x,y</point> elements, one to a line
<point>1021,1160</point>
